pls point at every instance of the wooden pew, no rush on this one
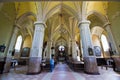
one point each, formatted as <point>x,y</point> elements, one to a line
<point>116,63</point>
<point>75,65</point>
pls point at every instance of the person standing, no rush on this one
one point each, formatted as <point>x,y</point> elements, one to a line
<point>51,64</point>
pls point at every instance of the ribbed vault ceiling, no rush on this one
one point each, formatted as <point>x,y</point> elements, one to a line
<point>59,28</point>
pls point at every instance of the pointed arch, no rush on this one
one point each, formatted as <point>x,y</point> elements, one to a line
<point>97,30</point>
<point>104,42</point>
<point>27,41</point>
<point>57,8</point>
<point>60,41</point>
<point>22,17</point>
<point>103,18</point>
<point>18,43</point>
<point>57,30</point>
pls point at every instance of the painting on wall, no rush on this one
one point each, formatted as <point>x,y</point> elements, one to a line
<point>2,48</point>
<point>25,52</point>
<point>97,50</point>
<point>90,51</point>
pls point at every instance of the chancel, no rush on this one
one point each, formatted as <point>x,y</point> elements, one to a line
<point>81,37</point>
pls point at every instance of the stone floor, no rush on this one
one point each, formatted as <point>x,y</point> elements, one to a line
<point>61,72</point>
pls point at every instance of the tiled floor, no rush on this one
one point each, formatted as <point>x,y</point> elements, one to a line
<point>61,72</point>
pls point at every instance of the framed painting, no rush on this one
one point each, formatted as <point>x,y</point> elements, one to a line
<point>97,50</point>
<point>2,48</point>
<point>25,52</point>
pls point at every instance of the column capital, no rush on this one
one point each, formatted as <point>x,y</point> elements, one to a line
<point>106,24</point>
<point>83,22</point>
<point>15,29</point>
<point>40,22</point>
<point>16,26</point>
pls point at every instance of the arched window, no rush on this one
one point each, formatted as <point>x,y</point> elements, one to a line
<point>104,42</point>
<point>18,43</point>
<point>61,48</point>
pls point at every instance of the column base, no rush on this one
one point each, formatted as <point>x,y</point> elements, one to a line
<point>90,65</point>
<point>34,66</point>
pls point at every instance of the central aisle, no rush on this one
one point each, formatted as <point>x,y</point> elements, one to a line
<point>62,72</point>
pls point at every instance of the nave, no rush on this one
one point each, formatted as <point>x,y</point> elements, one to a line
<point>75,31</point>
<point>60,72</point>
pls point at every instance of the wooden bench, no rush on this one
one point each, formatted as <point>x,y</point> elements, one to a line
<point>75,65</point>
<point>78,65</point>
<point>104,62</point>
<point>116,63</point>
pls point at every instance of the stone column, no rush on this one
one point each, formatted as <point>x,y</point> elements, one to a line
<point>44,53</point>
<point>111,39</point>
<point>10,49</point>
<point>36,50</point>
<point>74,53</point>
<point>53,52</point>
<point>69,47</point>
<point>85,35</point>
<point>90,64</point>
<point>102,50</point>
<point>49,43</point>
<point>78,50</point>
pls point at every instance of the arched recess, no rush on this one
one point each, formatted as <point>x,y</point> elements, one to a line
<point>61,53</point>
<point>26,23</point>
<point>27,14</point>
<point>97,44</point>
<point>27,42</point>
<point>60,41</point>
<point>101,48</point>
<point>97,19</point>
<point>105,45</point>
<point>18,43</point>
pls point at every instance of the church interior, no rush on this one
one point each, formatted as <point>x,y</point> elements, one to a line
<point>82,38</point>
